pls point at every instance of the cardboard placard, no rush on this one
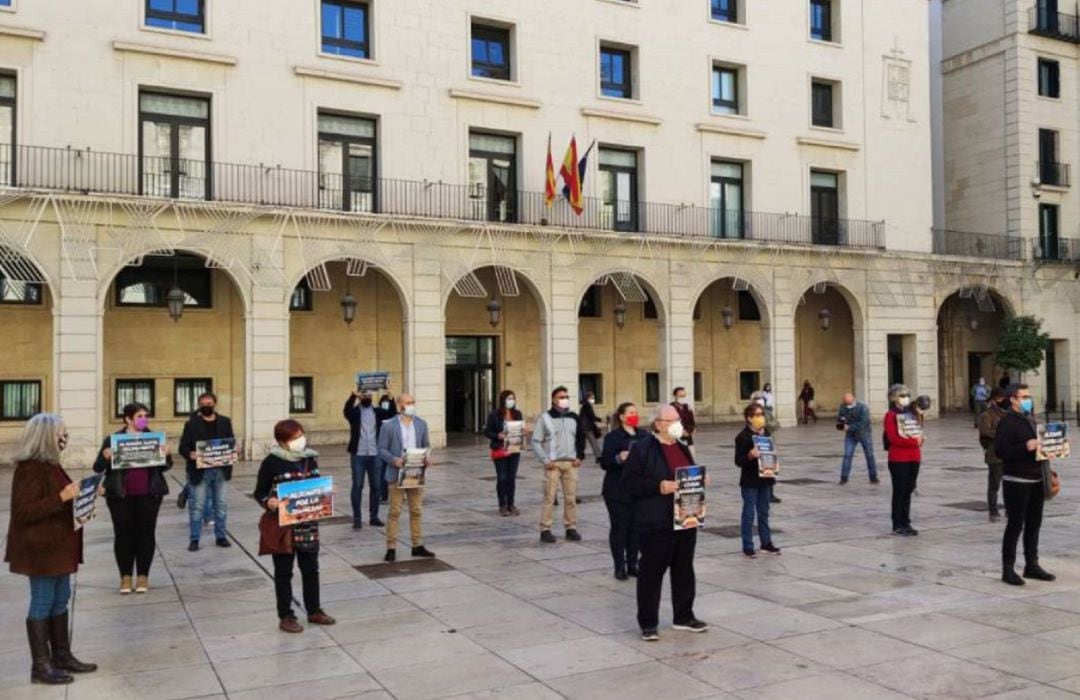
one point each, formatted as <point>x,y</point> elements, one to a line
<point>218,452</point>
<point>768,460</point>
<point>690,498</point>
<point>84,506</point>
<point>137,450</point>
<point>515,435</point>
<point>908,425</point>
<point>372,381</point>
<point>305,499</point>
<point>414,472</point>
<point>1053,441</point>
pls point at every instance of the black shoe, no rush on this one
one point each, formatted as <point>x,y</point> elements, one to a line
<point>770,548</point>
<point>995,515</point>
<point>223,542</point>
<point>383,500</point>
<point>357,525</point>
<point>181,500</point>
<point>620,573</point>
<point>899,531</point>
<point>1008,575</point>
<point>422,551</point>
<point>573,535</point>
<point>843,480</point>
<point>42,669</point>
<point>391,555</point>
<point>375,522</point>
<point>62,658</point>
<point>694,625</point>
<point>749,554</point>
<point>774,499</point>
<point>875,480</point>
<point>650,635</point>
<point>547,537</point>
<point>911,532</point>
<point>193,546</point>
<point>1034,571</point>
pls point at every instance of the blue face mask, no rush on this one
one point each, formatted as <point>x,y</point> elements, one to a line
<point>1027,405</point>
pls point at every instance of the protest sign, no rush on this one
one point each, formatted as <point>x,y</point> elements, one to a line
<point>690,498</point>
<point>372,381</point>
<point>218,452</point>
<point>1053,441</point>
<point>305,499</point>
<point>515,435</point>
<point>414,472</point>
<point>137,450</point>
<point>85,503</point>
<point>908,425</point>
<point>768,460</point>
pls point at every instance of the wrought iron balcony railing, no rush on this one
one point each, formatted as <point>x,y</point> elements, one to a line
<point>1046,21</point>
<point>1054,174</point>
<point>978,245</point>
<point>99,172</point>
<point>1061,250</point>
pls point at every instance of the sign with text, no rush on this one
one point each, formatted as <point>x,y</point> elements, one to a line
<point>690,498</point>
<point>372,381</point>
<point>1053,441</point>
<point>305,499</point>
<point>515,435</point>
<point>414,472</point>
<point>908,425</point>
<point>218,452</point>
<point>768,461</point>
<point>85,504</point>
<point>137,450</point>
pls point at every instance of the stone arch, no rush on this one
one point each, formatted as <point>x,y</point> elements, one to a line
<point>646,282</point>
<point>520,273</point>
<point>966,341</point>
<point>833,360</point>
<point>241,284</point>
<point>398,284</point>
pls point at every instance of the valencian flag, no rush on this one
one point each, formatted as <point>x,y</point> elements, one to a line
<point>571,177</point>
<point>549,177</point>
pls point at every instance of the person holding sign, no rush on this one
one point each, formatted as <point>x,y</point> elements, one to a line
<point>505,456</point>
<point>755,483</point>
<point>290,460</point>
<point>617,443</point>
<point>205,428</point>
<point>43,544</point>
<point>133,491</point>
<point>365,424</point>
<point>649,479</point>
<point>1017,445</point>
<point>903,442</point>
<point>400,434</point>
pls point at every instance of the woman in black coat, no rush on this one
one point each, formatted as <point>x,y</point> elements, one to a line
<point>589,424</point>
<point>506,462</point>
<point>756,490</point>
<point>617,444</point>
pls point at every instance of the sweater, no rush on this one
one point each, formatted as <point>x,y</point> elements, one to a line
<point>41,540</point>
<point>556,437</point>
<point>615,443</point>
<point>645,468</point>
<point>1010,445</point>
<point>901,449</point>
<point>988,424</point>
<point>351,411</point>
<point>197,430</point>
<point>748,479</point>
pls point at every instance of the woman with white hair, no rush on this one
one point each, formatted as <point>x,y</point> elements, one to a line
<point>43,544</point>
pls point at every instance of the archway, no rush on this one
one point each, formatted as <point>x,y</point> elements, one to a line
<point>164,363</point>
<point>827,346</point>
<point>969,323</point>
<point>731,349</point>
<point>325,352</point>
<point>490,349</point>
<point>26,373</point>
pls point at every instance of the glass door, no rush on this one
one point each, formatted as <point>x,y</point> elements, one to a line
<point>175,145</point>
<point>726,200</point>
<point>471,382</point>
<point>492,177</point>
<point>347,163</point>
<point>824,209</point>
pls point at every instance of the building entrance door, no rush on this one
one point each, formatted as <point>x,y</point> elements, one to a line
<point>471,382</point>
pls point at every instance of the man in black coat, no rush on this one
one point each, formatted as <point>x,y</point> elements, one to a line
<point>365,422</point>
<point>206,484</point>
<point>1016,443</point>
<point>649,478</point>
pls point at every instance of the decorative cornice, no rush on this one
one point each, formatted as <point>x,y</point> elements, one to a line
<point>620,116</point>
<point>22,33</point>
<point>827,143</point>
<point>148,50</point>
<point>346,77</point>
<point>730,130</point>
<point>494,99</point>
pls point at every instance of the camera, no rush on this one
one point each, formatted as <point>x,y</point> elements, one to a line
<point>841,422</point>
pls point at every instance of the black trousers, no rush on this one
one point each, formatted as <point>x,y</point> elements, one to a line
<point>661,551</point>
<point>1024,509</point>
<point>506,469</point>
<point>308,562</point>
<point>993,484</point>
<point>134,520</point>
<point>904,477</point>
<point>621,536</point>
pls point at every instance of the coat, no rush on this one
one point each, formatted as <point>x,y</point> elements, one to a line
<point>391,446</point>
<point>988,424</point>
<point>645,468</point>
<point>748,478</point>
<point>42,540</point>
<point>351,411</point>
<point>901,449</point>
<point>494,425</point>
<point>114,480</point>
<point>196,430</point>
<point>615,443</point>
<point>1010,444</point>
<point>686,417</point>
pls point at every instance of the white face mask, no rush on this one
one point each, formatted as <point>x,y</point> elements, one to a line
<point>682,400</point>
<point>409,410</point>
<point>903,401</point>
<point>563,404</point>
<point>510,403</point>
<point>591,401</point>
<point>675,430</point>
<point>297,444</point>
<point>385,405</point>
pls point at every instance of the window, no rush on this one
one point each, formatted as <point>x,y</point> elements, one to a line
<point>725,90</point>
<point>1049,78</point>
<point>591,383</point>
<point>822,99</point>
<point>493,176</point>
<point>174,151</point>
<point>824,208</point>
<point>301,299</point>
<point>1048,231</point>
<point>5,3</point>
<point>748,308</point>
<point>134,391</point>
<point>347,163</point>
<point>7,129</point>
<point>616,78</point>
<point>19,400</point>
<point>1051,170</point>
<point>726,199</point>
<point>749,382</point>
<point>181,15</point>
<point>821,20</point>
<point>490,52</point>
<point>725,10</point>
<point>618,189</point>
<point>17,292</point>
<point>300,395</point>
<point>648,308</point>
<point>590,306</point>
<point>652,387</point>
<point>186,394</point>
<point>699,385</point>
<point>345,28</point>
<point>149,283</point>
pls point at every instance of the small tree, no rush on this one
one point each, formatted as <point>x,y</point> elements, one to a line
<point>1022,345</point>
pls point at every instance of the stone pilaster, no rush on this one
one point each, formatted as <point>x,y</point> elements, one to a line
<point>426,343</point>
<point>80,387</point>
<point>266,363</point>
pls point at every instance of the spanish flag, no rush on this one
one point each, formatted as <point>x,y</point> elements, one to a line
<point>571,178</point>
<point>549,177</point>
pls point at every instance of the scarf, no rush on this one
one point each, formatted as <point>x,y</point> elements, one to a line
<point>290,456</point>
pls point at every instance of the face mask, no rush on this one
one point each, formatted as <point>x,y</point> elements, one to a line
<point>903,401</point>
<point>409,410</point>
<point>206,410</point>
<point>767,388</point>
<point>631,421</point>
<point>61,442</point>
<point>1027,405</point>
<point>682,400</point>
<point>297,444</point>
<point>385,405</point>
<point>141,422</point>
<point>592,401</point>
<point>365,402</point>
<point>563,404</point>
<point>510,403</point>
<point>675,430</point>
<point>757,422</point>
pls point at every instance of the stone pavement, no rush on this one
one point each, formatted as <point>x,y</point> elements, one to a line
<point>847,611</point>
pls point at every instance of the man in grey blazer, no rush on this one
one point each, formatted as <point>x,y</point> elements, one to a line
<point>403,432</point>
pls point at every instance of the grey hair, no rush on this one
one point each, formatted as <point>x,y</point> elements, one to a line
<point>895,390</point>
<point>656,412</point>
<point>39,439</point>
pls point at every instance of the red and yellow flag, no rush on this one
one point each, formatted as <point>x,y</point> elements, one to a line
<point>549,177</point>
<point>571,178</point>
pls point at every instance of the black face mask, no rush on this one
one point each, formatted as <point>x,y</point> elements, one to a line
<point>365,402</point>
<point>206,410</point>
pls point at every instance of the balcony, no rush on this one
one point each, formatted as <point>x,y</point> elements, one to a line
<point>1053,174</point>
<point>1044,20</point>
<point>993,246</point>
<point>1057,250</point>
<point>117,174</point>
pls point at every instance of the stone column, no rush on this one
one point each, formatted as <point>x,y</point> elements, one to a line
<point>781,336</point>
<point>425,343</point>
<point>78,365</point>
<point>266,365</point>
<point>563,331</point>
<point>677,349</point>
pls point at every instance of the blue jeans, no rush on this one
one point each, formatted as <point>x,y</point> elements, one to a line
<point>208,496</point>
<point>370,465</point>
<point>49,596</point>
<point>755,500</point>
<point>850,441</point>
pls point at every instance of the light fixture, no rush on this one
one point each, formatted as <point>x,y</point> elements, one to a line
<point>825,317</point>
<point>727,317</point>
<point>494,309</point>
<point>175,298</point>
<point>973,323</point>
<point>348,303</point>
<point>620,315</point>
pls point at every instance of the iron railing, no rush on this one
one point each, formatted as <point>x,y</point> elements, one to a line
<point>1052,249</point>
<point>1051,173</point>
<point>995,246</point>
<point>1044,20</point>
<point>100,172</point>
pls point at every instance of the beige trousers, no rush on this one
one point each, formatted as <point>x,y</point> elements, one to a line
<point>416,503</point>
<point>566,474</point>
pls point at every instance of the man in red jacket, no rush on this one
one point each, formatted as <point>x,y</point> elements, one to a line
<point>903,438</point>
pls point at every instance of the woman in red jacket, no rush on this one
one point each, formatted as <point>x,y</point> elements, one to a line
<point>902,441</point>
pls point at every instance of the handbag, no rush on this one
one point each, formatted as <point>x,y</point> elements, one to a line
<point>273,538</point>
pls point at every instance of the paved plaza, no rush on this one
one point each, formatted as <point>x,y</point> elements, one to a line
<point>847,611</point>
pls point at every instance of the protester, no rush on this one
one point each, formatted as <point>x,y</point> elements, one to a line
<point>206,485</point>
<point>681,404</point>
<point>854,420</point>
<point>980,394</point>
<point>807,398</point>
<point>388,409</point>
<point>617,443</point>
<point>768,399</point>
<point>1005,381</point>
<point>134,498</point>
<point>905,456</point>
<point>648,479</point>
<point>405,431</point>
<point>589,425</point>
<point>506,462</point>
<point>365,424</point>
<point>756,489</point>
<point>1016,443</point>
<point>290,460</point>
<point>988,423</point>
<point>43,545</point>
<point>560,447</point>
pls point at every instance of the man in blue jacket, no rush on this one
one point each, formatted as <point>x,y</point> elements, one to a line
<point>854,420</point>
